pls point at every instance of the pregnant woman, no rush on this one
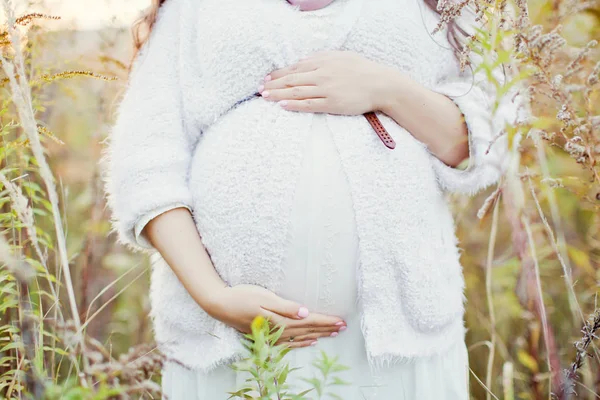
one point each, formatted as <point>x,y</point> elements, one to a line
<point>242,162</point>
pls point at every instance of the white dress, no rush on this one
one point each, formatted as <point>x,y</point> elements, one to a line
<point>321,274</point>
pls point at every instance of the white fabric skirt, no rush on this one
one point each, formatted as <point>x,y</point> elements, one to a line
<point>321,273</point>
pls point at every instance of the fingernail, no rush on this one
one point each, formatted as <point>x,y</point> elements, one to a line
<point>303,312</point>
<point>343,328</point>
<point>260,88</point>
<point>314,343</point>
<point>282,103</point>
<point>265,93</point>
<point>334,334</point>
<point>267,78</point>
<point>339,323</point>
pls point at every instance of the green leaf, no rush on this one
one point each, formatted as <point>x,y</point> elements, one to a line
<point>304,393</point>
<point>337,381</point>
<point>283,375</point>
<point>56,350</point>
<point>528,361</point>
<point>240,393</point>
<point>339,367</point>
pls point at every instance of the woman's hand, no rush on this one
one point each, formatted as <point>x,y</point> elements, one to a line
<point>334,82</point>
<point>237,307</point>
<point>347,83</point>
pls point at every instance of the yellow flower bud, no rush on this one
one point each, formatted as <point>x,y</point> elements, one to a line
<point>258,323</point>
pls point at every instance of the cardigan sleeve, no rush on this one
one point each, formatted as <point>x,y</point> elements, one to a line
<point>474,95</point>
<point>149,149</point>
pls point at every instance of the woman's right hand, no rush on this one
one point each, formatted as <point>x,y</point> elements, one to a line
<point>237,307</point>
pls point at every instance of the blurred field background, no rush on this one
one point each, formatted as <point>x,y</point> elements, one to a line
<point>548,223</point>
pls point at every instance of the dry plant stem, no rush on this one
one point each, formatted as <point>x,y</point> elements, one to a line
<point>528,287</point>
<point>563,97</point>
<point>488,292</point>
<point>106,289</point>
<point>557,94</point>
<point>550,234</point>
<point>529,294</point>
<point>28,18</point>
<point>25,214</point>
<point>560,247</point>
<point>33,382</point>
<point>13,382</point>
<point>103,306</point>
<point>507,380</point>
<point>589,330</point>
<point>553,367</point>
<point>593,395</point>
<point>23,273</point>
<point>483,385</point>
<point>22,98</point>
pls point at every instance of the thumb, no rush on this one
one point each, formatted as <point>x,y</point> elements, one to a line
<point>288,308</point>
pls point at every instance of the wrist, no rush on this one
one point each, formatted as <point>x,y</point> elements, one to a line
<point>388,88</point>
<point>211,300</point>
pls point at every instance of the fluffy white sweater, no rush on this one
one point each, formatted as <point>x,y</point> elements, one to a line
<point>183,138</point>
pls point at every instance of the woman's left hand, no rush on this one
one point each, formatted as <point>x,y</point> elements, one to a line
<point>334,82</point>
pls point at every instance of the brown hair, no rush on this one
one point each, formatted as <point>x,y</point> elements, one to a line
<point>143,26</point>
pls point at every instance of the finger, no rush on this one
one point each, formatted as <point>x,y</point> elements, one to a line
<point>309,337</point>
<point>310,78</point>
<point>275,319</point>
<point>296,345</point>
<point>294,93</point>
<point>296,332</point>
<point>301,66</point>
<point>318,105</point>
<point>285,308</point>
<point>316,320</point>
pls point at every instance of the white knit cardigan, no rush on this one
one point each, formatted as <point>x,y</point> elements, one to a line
<point>184,137</point>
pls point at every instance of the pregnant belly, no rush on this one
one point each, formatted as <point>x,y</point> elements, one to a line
<point>321,260</point>
<point>273,208</point>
